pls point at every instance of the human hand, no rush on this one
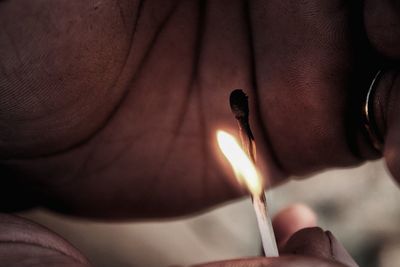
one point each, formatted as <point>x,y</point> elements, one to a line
<point>311,247</point>
<point>300,244</point>
<point>110,110</point>
<point>26,244</point>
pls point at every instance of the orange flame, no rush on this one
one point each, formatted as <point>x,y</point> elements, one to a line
<point>243,167</point>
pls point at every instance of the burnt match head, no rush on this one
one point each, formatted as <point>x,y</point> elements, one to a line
<point>239,104</point>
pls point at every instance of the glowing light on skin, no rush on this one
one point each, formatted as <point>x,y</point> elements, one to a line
<point>243,167</point>
<point>246,173</point>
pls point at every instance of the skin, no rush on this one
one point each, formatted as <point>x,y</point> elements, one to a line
<point>109,109</point>
<point>24,243</point>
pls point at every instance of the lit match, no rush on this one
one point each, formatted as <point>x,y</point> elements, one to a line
<point>243,162</point>
<point>247,174</point>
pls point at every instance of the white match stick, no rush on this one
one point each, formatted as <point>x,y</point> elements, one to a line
<point>265,226</point>
<point>244,166</point>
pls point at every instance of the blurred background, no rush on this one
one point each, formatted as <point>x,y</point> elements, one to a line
<point>360,206</point>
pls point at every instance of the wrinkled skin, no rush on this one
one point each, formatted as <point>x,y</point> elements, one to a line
<point>109,109</point>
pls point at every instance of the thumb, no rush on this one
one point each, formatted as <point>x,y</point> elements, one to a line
<point>285,261</point>
<point>315,242</point>
<point>312,248</point>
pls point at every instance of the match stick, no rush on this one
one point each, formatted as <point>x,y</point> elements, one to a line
<point>265,226</point>
<point>239,106</point>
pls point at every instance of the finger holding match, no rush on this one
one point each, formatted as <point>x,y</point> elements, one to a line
<point>290,220</point>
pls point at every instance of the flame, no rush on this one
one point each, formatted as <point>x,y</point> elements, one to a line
<point>243,167</point>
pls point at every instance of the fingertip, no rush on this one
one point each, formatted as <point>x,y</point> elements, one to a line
<point>315,242</point>
<point>311,241</point>
<point>339,252</point>
<point>291,219</point>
